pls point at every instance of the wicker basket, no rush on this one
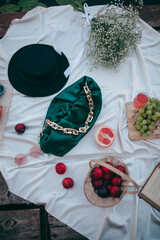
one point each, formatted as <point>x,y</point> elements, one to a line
<point>110,201</point>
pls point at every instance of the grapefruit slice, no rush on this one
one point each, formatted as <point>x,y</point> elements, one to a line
<point>105,136</point>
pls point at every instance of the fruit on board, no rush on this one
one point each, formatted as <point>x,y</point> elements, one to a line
<point>105,136</point>
<point>97,173</point>
<point>148,117</point>
<point>107,184</point>
<point>68,183</point>
<point>20,128</point>
<point>107,170</point>
<point>60,168</point>
<point>0,111</point>
<point>97,183</point>
<point>115,191</point>
<point>116,180</point>
<point>103,192</point>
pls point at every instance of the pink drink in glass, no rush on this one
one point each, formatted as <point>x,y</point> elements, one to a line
<point>140,100</point>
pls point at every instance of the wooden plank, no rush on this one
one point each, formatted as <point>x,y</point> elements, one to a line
<point>7,197</point>
<point>56,228</point>
<point>134,134</point>
<point>151,15</point>
<point>6,19</point>
<point>21,224</point>
<point>61,231</point>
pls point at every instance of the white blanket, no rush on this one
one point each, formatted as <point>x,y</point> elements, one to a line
<point>37,180</point>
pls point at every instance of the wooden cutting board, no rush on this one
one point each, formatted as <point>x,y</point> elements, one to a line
<point>134,134</point>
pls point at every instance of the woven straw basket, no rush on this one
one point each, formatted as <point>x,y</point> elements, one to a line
<point>110,201</point>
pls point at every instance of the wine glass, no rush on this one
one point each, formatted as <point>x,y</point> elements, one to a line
<point>140,100</point>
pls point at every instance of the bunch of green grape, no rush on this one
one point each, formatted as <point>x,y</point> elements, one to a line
<point>148,117</point>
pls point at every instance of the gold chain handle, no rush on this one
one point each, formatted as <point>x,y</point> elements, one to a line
<point>89,119</point>
<point>115,170</point>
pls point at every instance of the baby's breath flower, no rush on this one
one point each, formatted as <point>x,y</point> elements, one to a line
<point>115,34</point>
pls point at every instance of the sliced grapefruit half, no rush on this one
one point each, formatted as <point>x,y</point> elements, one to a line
<point>105,136</point>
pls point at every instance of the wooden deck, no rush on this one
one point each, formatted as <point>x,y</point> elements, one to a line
<point>149,13</point>
<point>20,219</point>
<point>23,220</point>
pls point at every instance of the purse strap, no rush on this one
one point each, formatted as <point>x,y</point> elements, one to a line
<point>115,170</point>
<point>89,119</point>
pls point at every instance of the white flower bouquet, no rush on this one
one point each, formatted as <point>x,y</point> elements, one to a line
<point>115,34</point>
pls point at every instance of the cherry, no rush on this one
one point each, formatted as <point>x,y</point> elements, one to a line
<point>60,168</point>
<point>68,183</point>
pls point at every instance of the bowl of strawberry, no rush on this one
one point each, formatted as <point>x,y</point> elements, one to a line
<point>107,181</point>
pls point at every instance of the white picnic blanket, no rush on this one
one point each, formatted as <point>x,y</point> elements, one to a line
<point>37,180</point>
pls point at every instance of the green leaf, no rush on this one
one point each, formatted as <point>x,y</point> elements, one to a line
<point>27,3</point>
<point>77,5</point>
<point>8,8</point>
<point>39,4</point>
<point>26,9</point>
<point>61,2</point>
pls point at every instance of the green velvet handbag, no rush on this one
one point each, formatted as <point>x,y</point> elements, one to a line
<point>70,116</point>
